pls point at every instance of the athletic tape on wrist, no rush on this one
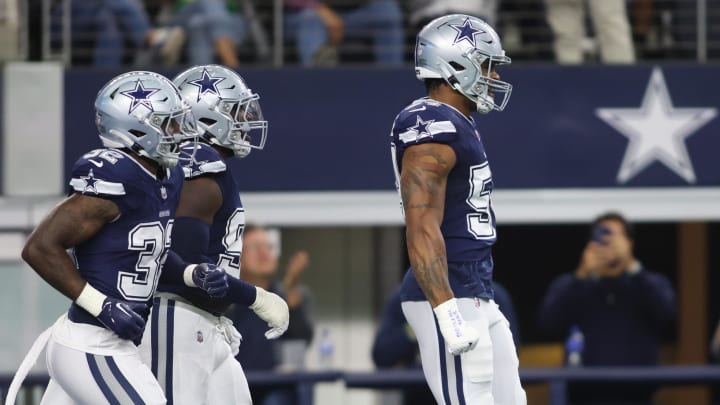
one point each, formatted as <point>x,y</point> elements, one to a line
<point>188,275</point>
<point>91,300</point>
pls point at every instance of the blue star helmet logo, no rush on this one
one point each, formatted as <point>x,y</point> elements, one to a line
<point>139,96</point>
<point>421,127</point>
<point>207,84</point>
<point>466,32</point>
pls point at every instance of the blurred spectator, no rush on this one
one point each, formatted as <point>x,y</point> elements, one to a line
<point>622,309</point>
<point>10,30</point>
<point>641,16</point>
<point>685,22</point>
<point>421,12</point>
<point>259,266</point>
<point>319,28</point>
<point>652,28</point>
<point>524,29</point>
<point>715,345</point>
<point>610,24</point>
<point>214,27</point>
<point>395,344</point>
<point>109,33</point>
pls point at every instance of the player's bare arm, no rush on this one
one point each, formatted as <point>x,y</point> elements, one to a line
<point>200,198</point>
<point>73,221</point>
<point>423,179</point>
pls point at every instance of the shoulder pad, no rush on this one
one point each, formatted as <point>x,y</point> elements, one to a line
<point>424,121</point>
<point>206,161</point>
<point>100,173</point>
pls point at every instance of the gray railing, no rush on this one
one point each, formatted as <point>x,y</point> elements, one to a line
<point>556,377</point>
<point>678,29</point>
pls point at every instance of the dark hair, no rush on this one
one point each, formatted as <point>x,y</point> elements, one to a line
<point>433,84</point>
<point>615,216</point>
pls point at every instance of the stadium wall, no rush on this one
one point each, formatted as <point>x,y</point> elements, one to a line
<point>554,158</point>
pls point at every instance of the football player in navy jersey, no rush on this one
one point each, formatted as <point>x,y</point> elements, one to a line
<point>191,346</point>
<point>117,224</point>
<point>444,180</point>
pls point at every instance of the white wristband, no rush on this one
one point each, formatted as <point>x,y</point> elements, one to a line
<point>448,315</point>
<point>91,300</point>
<point>259,298</point>
<point>187,275</point>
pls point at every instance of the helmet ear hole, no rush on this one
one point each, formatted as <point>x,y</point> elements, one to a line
<point>207,121</point>
<point>137,133</point>
<point>458,67</point>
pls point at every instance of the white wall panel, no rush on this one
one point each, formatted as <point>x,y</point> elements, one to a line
<point>33,129</point>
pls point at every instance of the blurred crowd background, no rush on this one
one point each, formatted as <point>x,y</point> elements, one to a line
<point>333,32</point>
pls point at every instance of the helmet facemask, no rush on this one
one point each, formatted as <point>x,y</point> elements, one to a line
<point>228,112</point>
<point>248,129</point>
<point>483,90</point>
<point>171,130</point>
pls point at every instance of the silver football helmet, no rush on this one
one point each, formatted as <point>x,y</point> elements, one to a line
<point>226,109</point>
<point>144,112</point>
<point>455,48</point>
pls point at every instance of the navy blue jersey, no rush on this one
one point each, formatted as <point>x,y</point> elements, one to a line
<point>225,244</point>
<point>468,225</point>
<point>124,259</point>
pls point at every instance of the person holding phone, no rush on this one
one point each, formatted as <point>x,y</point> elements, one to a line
<point>622,309</point>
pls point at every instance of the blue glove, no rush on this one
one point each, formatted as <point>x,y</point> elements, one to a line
<point>211,279</point>
<point>124,317</point>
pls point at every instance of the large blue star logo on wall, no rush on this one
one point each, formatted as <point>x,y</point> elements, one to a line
<point>466,32</point>
<point>206,84</point>
<point>139,96</point>
<point>657,131</point>
<point>421,127</point>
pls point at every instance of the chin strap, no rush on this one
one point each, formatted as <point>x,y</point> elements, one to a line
<point>483,107</point>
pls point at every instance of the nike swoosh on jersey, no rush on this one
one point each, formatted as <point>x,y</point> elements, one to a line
<point>96,163</point>
<point>423,108</point>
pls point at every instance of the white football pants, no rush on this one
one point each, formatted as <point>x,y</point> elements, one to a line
<point>189,350</point>
<point>486,375</point>
<point>91,365</point>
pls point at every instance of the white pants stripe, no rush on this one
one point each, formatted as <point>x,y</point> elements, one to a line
<point>111,381</point>
<point>487,375</point>
<point>162,329</point>
<point>450,372</point>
